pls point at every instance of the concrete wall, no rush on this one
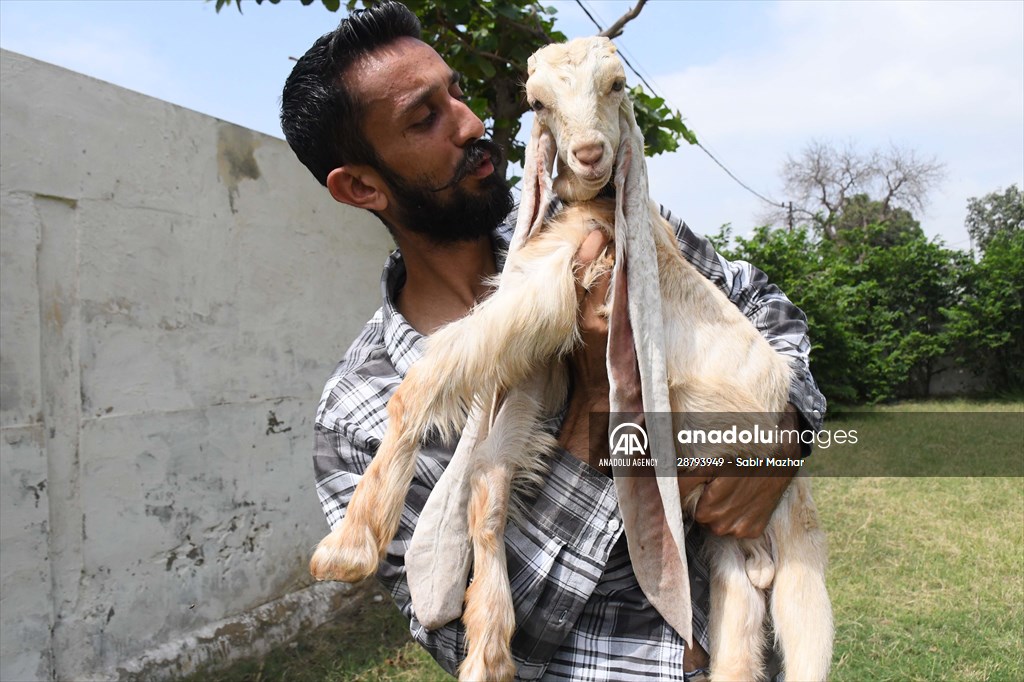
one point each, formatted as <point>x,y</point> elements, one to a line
<point>952,380</point>
<point>175,291</point>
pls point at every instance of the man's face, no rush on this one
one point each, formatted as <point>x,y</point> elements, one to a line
<point>440,175</point>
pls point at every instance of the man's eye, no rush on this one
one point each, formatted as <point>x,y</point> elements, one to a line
<point>426,121</point>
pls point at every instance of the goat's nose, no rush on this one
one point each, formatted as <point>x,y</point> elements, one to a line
<point>589,154</point>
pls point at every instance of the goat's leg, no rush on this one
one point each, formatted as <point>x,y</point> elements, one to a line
<point>527,321</point>
<point>496,346</point>
<point>736,620</point>
<point>352,551</point>
<point>801,611</point>
<point>489,615</point>
<point>513,447</point>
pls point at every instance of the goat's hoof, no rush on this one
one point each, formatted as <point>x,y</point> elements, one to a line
<point>501,668</point>
<point>347,554</point>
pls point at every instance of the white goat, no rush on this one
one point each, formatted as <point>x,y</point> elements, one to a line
<point>502,364</point>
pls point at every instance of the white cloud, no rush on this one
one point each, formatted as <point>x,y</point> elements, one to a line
<point>857,66</point>
<point>945,78</point>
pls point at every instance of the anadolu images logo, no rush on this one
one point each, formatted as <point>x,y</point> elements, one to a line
<point>628,439</point>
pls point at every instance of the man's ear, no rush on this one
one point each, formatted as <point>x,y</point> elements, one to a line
<point>358,186</point>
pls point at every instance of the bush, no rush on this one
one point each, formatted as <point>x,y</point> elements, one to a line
<point>879,312</point>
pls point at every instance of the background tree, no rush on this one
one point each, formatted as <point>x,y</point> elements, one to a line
<point>986,327</point>
<point>861,212</point>
<point>994,213</point>
<point>882,187</point>
<point>489,43</point>
<point>912,286</point>
<point>877,313</point>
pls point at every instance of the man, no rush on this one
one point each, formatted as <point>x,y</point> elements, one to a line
<point>379,119</point>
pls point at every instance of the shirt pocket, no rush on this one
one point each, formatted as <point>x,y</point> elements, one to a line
<point>546,594</point>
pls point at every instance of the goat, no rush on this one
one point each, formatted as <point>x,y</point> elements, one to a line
<point>676,344</point>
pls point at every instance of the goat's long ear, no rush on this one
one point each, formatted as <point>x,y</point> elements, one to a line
<point>634,235</point>
<point>536,196</point>
<point>638,378</point>
<point>631,172</point>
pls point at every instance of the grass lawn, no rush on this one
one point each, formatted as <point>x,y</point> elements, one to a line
<point>926,575</point>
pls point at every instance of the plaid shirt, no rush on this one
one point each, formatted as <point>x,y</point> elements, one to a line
<point>580,614</point>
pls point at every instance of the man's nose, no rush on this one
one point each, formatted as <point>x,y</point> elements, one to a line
<point>470,127</point>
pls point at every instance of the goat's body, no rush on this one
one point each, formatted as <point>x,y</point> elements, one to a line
<point>510,349</point>
<point>718,364</point>
<point>722,372</point>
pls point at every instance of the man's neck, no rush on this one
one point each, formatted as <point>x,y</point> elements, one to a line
<point>442,282</point>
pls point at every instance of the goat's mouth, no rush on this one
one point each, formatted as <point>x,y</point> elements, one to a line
<point>596,176</point>
<point>593,177</point>
<point>569,186</point>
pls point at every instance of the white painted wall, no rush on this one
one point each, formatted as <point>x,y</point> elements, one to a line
<point>175,291</point>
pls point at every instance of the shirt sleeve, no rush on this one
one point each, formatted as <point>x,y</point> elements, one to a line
<point>339,461</point>
<point>780,322</point>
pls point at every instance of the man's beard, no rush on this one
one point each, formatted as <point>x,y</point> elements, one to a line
<point>464,215</point>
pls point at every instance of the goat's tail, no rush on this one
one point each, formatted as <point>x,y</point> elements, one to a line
<point>736,620</point>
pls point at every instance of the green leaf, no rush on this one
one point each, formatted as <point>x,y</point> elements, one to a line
<point>331,5</point>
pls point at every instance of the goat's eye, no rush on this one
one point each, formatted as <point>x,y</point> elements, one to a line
<point>618,85</point>
<point>537,105</point>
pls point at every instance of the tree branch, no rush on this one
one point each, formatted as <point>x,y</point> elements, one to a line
<point>615,30</point>
<point>462,38</point>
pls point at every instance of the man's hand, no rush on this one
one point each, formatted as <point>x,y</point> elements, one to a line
<point>587,363</point>
<point>738,501</point>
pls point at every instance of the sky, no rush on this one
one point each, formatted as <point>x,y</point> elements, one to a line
<point>756,81</point>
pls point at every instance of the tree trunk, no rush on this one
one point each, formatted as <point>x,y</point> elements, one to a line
<point>508,107</point>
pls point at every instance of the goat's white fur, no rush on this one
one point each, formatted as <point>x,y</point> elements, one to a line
<point>501,364</point>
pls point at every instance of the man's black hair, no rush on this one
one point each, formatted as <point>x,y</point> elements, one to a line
<point>321,119</point>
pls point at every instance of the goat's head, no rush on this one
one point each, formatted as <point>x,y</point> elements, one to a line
<point>576,90</point>
<point>584,117</point>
